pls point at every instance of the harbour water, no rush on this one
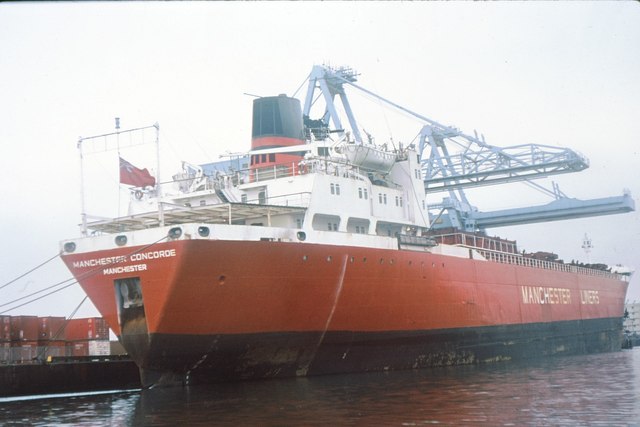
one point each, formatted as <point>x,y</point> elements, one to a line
<point>591,390</point>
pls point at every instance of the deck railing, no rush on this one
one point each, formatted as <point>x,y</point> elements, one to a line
<point>507,254</point>
<point>516,259</point>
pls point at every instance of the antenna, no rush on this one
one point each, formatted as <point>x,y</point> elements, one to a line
<point>587,246</point>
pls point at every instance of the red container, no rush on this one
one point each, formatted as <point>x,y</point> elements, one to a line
<point>5,329</point>
<point>51,328</point>
<point>24,352</point>
<point>24,328</point>
<point>78,348</point>
<point>91,328</point>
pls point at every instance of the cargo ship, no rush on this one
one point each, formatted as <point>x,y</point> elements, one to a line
<point>320,257</point>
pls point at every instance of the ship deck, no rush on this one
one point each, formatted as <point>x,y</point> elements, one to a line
<point>226,213</point>
<point>238,213</point>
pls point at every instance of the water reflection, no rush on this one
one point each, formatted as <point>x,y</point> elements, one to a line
<point>583,390</point>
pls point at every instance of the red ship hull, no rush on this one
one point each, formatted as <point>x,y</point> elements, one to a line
<point>216,310</point>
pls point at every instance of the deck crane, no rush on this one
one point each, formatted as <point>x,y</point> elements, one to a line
<point>453,160</point>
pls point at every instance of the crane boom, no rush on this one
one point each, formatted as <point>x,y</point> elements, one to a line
<point>453,160</point>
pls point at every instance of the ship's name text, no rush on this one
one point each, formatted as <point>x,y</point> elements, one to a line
<point>545,295</point>
<point>139,256</point>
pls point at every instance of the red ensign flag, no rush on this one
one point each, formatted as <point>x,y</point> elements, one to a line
<point>131,175</point>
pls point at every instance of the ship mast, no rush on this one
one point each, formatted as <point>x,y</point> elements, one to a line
<point>89,145</point>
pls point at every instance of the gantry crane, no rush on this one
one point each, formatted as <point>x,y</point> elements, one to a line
<point>452,161</point>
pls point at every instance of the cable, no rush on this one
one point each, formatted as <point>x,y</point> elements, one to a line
<point>36,299</point>
<point>37,292</point>
<point>30,271</point>
<point>301,84</point>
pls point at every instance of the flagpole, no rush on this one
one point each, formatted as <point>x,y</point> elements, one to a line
<point>83,213</point>
<point>158,183</point>
<point>118,150</point>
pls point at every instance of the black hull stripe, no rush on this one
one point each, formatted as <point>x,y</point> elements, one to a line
<point>217,358</point>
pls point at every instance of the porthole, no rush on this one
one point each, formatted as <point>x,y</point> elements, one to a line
<point>301,235</point>
<point>329,258</point>
<point>175,233</point>
<point>121,240</point>
<point>203,231</point>
<point>70,247</point>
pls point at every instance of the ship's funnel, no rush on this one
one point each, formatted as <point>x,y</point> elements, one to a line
<point>277,123</point>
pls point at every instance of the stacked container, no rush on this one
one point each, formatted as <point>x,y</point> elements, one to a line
<point>51,337</point>
<point>5,339</point>
<point>87,337</point>
<point>24,338</point>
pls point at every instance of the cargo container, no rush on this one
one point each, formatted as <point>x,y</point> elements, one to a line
<point>24,351</point>
<point>24,328</point>
<point>92,328</point>
<point>88,348</point>
<point>5,353</point>
<point>77,348</point>
<point>99,348</point>
<point>50,348</point>
<point>51,328</point>
<point>5,329</point>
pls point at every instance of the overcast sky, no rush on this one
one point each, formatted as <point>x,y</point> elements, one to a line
<point>554,73</point>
